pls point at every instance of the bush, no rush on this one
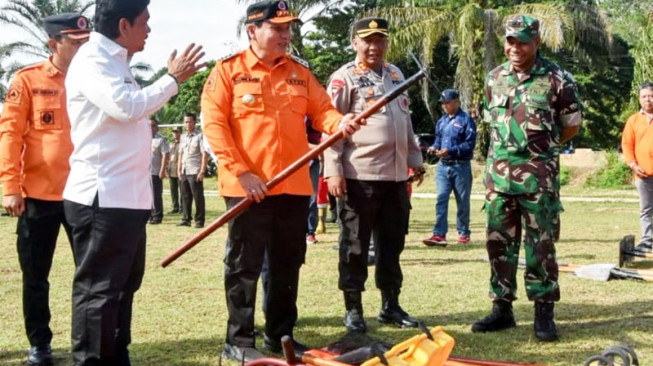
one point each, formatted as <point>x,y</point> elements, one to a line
<point>564,175</point>
<point>615,175</point>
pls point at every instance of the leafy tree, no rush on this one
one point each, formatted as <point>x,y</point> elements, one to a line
<point>188,98</point>
<point>602,90</point>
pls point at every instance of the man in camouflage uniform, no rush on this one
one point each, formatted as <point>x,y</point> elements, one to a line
<point>369,170</point>
<point>532,106</point>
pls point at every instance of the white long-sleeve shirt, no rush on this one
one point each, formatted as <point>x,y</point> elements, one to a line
<point>109,127</point>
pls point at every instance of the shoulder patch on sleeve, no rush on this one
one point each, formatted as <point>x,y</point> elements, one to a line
<point>209,85</point>
<point>336,87</point>
<point>14,94</point>
<point>300,61</point>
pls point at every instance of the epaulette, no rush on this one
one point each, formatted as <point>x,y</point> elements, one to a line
<point>392,67</point>
<point>350,64</point>
<point>300,61</point>
<point>31,66</point>
<point>229,56</point>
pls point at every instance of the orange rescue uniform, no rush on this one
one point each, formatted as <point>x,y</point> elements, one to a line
<point>637,141</point>
<point>254,120</point>
<point>35,139</point>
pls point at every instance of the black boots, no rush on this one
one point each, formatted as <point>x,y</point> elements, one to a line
<point>40,356</point>
<point>354,320</point>
<point>392,313</point>
<point>501,318</point>
<point>545,327</point>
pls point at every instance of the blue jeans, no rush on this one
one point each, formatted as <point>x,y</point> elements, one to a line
<point>312,204</point>
<point>456,177</point>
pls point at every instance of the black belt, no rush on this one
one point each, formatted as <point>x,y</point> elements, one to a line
<point>453,162</point>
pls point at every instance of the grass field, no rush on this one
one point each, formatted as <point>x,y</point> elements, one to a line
<point>180,314</point>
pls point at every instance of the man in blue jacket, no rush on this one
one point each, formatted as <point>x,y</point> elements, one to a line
<point>455,139</point>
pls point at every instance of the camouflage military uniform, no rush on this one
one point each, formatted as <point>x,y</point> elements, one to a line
<point>526,113</point>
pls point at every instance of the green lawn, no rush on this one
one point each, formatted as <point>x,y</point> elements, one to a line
<point>180,314</point>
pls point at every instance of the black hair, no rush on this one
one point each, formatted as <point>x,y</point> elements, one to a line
<point>258,24</point>
<point>192,115</point>
<point>645,85</point>
<point>109,12</point>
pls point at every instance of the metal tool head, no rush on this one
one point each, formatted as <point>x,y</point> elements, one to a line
<point>426,74</point>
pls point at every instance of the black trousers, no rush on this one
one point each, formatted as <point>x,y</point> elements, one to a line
<point>109,246</point>
<point>174,193</point>
<point>157,191</point>
<point>276,227</point>
<point>37,232</point>
<point>191,190</point>
<point>385,208</point>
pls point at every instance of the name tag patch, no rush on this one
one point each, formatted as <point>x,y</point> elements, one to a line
<point>246,79</point>
<point>47,92</point>
<point>296,82</point>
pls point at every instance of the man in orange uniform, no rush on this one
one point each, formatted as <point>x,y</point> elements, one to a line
<point>254,104</point>
<point>34,149</point>
<point>637,145</point>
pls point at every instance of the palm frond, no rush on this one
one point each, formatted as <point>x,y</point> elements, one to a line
<point>591,31</point>
<point>490,44</point>
<point>468,33</point>
<point>141,67</point>
<point>25,48</point>
<point>553,22</point>
<point>415,29</point>
<point>643,54</point>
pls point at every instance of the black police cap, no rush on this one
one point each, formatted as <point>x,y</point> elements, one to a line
<point>71,25</point>
<point>273,11</point>
<point>367,26</point>
<point>448,95</point>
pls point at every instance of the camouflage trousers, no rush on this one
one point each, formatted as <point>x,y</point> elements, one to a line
<point>537,215</point>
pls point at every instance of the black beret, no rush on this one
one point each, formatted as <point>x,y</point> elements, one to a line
<point>72,25</point>
<point>275,11</point>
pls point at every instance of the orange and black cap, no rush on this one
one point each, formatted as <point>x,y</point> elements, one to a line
<point>273,11</point>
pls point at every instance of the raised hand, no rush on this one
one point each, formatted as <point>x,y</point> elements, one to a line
<point>184,66</point>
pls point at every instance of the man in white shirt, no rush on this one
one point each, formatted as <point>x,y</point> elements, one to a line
<point>108,195</point>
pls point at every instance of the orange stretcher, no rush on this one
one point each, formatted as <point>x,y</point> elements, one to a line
<point>430,348</point>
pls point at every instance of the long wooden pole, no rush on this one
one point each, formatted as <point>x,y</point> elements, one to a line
<point>315,152</point>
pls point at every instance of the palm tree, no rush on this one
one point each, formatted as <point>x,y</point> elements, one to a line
<point>3,71</point>
<point>643,54</point>
<point>28,16</point>
<point>473,29</point>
